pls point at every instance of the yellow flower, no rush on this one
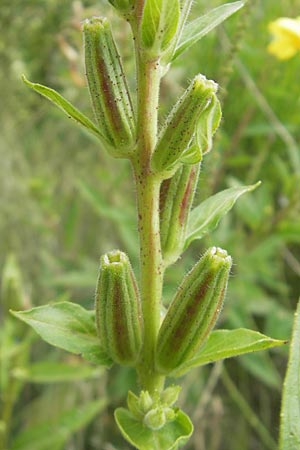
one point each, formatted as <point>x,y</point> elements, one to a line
<point>286,33</point>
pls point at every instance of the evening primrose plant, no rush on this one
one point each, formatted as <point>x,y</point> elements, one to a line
<point>128,325</point>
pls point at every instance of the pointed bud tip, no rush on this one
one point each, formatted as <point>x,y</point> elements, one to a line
<point>201,82</point>
<point>220,256</point>
<point>114,257</point>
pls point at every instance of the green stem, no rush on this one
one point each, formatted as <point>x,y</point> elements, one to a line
<point>248,413</point>
<point>148,188</point>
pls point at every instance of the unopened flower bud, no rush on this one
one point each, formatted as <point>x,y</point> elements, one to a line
<point>193,311</point>
<point>155,419</point>
<point>180,126</point>
<point>108,87</point>
<point>170,395</point>
<point>134,405</point>
<point>118,310</point>
<point>176,198</point>
<point>145,401</point>
<point>12,291</point>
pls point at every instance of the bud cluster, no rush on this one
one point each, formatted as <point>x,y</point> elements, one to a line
<point>156,410</point>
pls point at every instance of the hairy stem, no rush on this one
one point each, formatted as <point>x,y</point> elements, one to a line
<point>147,188</point>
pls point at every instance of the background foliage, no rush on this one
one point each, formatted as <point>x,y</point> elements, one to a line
<point>64,202</point>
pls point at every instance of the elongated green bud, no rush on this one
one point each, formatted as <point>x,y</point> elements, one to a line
<point>12,291</point>
<point>180,126</point>
<point>194,310</point>
<point>108,87</point>
<point>176,197</point>
<point>118,311</point>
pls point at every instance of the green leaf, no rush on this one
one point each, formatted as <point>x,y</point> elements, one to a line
<point>223,344</point>
<point>205,217</point>
<point>53,434</point>
<point>290,408</point>
<point>65,106</point>
<point>159,23</point>
<point>173,434</point>
<point>198,28</point>
<point>56,372</point>
<point>68,326</point>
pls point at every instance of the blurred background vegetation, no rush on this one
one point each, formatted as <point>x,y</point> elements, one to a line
<point>64,202</point>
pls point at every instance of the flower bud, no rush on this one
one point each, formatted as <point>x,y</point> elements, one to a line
<point>12,292</point>
<point>108,87</point>
<point>155,419</point>
<point>118,310</point>
<point>170,395</point>
<point>193,311</point>
<point>145,401</point>
<point>133,403</point>
<point>176,198</point>
<point>180,126</point>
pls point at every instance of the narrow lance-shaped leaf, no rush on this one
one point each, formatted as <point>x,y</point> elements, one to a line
<point>53,434</point>
<point>65,106</point>
<point>68,326</point>
<point>223,344</point>
<point>56,372</point>
<point>205,217</point>
<point>198,28</point>
<point>290,408</point>
<point>159,24</point>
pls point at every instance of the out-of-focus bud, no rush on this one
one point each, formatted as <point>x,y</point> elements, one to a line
<point>179,129</point>
<point>118,309</point>
<point>108,88</point>
<point>12,292</point>
<point>193,311</point>
<point>176,198</point>
<point>208,124</point>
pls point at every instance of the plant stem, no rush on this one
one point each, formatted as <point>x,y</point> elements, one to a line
<point>148,188</point>
<point>248,413</point>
